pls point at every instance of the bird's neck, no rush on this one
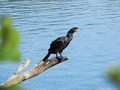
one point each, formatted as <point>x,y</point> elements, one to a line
<point>69,35</point>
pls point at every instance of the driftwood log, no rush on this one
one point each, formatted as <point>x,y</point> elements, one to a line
<point>19,76</point>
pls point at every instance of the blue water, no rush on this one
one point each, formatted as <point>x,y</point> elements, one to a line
<point>93,48</point>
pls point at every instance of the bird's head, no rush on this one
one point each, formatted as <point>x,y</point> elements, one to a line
<point>74,29</point>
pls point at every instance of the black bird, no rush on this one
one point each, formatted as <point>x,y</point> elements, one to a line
<point>59,44</point>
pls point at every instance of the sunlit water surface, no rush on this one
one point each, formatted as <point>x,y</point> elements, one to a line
<point>91,51</point>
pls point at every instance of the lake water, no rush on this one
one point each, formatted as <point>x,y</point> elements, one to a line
<point>93,48</point>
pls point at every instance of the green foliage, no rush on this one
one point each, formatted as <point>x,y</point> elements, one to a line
<point>114,74</point>
<point>12,88</point>
<point>9,39</point>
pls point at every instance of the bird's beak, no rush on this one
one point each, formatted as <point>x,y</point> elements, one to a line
<point>77,30</point>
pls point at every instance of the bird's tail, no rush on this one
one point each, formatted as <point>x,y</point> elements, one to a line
<point>46,57</point>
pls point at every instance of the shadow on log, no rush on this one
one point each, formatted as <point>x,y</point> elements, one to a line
<point>38,68</point>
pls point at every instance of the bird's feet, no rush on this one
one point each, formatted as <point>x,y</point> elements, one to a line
<point>59,59</point>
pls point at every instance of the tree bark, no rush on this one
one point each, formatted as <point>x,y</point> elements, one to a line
<point>38,68</point>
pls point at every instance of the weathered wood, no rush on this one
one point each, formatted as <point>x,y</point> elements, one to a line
<point>38,68</point>
<point>22,66</point>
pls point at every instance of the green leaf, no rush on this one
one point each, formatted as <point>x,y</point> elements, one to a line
<point>114,74</point>
<point>9,40</point>
<point>12,88</point>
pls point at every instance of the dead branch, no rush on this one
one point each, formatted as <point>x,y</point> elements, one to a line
<point>38,68</point>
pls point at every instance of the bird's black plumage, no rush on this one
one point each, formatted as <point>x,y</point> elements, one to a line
<point>59,44</point>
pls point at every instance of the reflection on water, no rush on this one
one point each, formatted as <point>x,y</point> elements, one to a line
<point>40,22</point>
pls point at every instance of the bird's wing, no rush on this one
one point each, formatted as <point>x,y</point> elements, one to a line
<point>58,42</point>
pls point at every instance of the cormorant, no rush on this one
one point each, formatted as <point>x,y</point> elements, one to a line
<point>59,44</point>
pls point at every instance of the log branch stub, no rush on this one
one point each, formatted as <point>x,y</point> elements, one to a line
<point>22,66</point>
